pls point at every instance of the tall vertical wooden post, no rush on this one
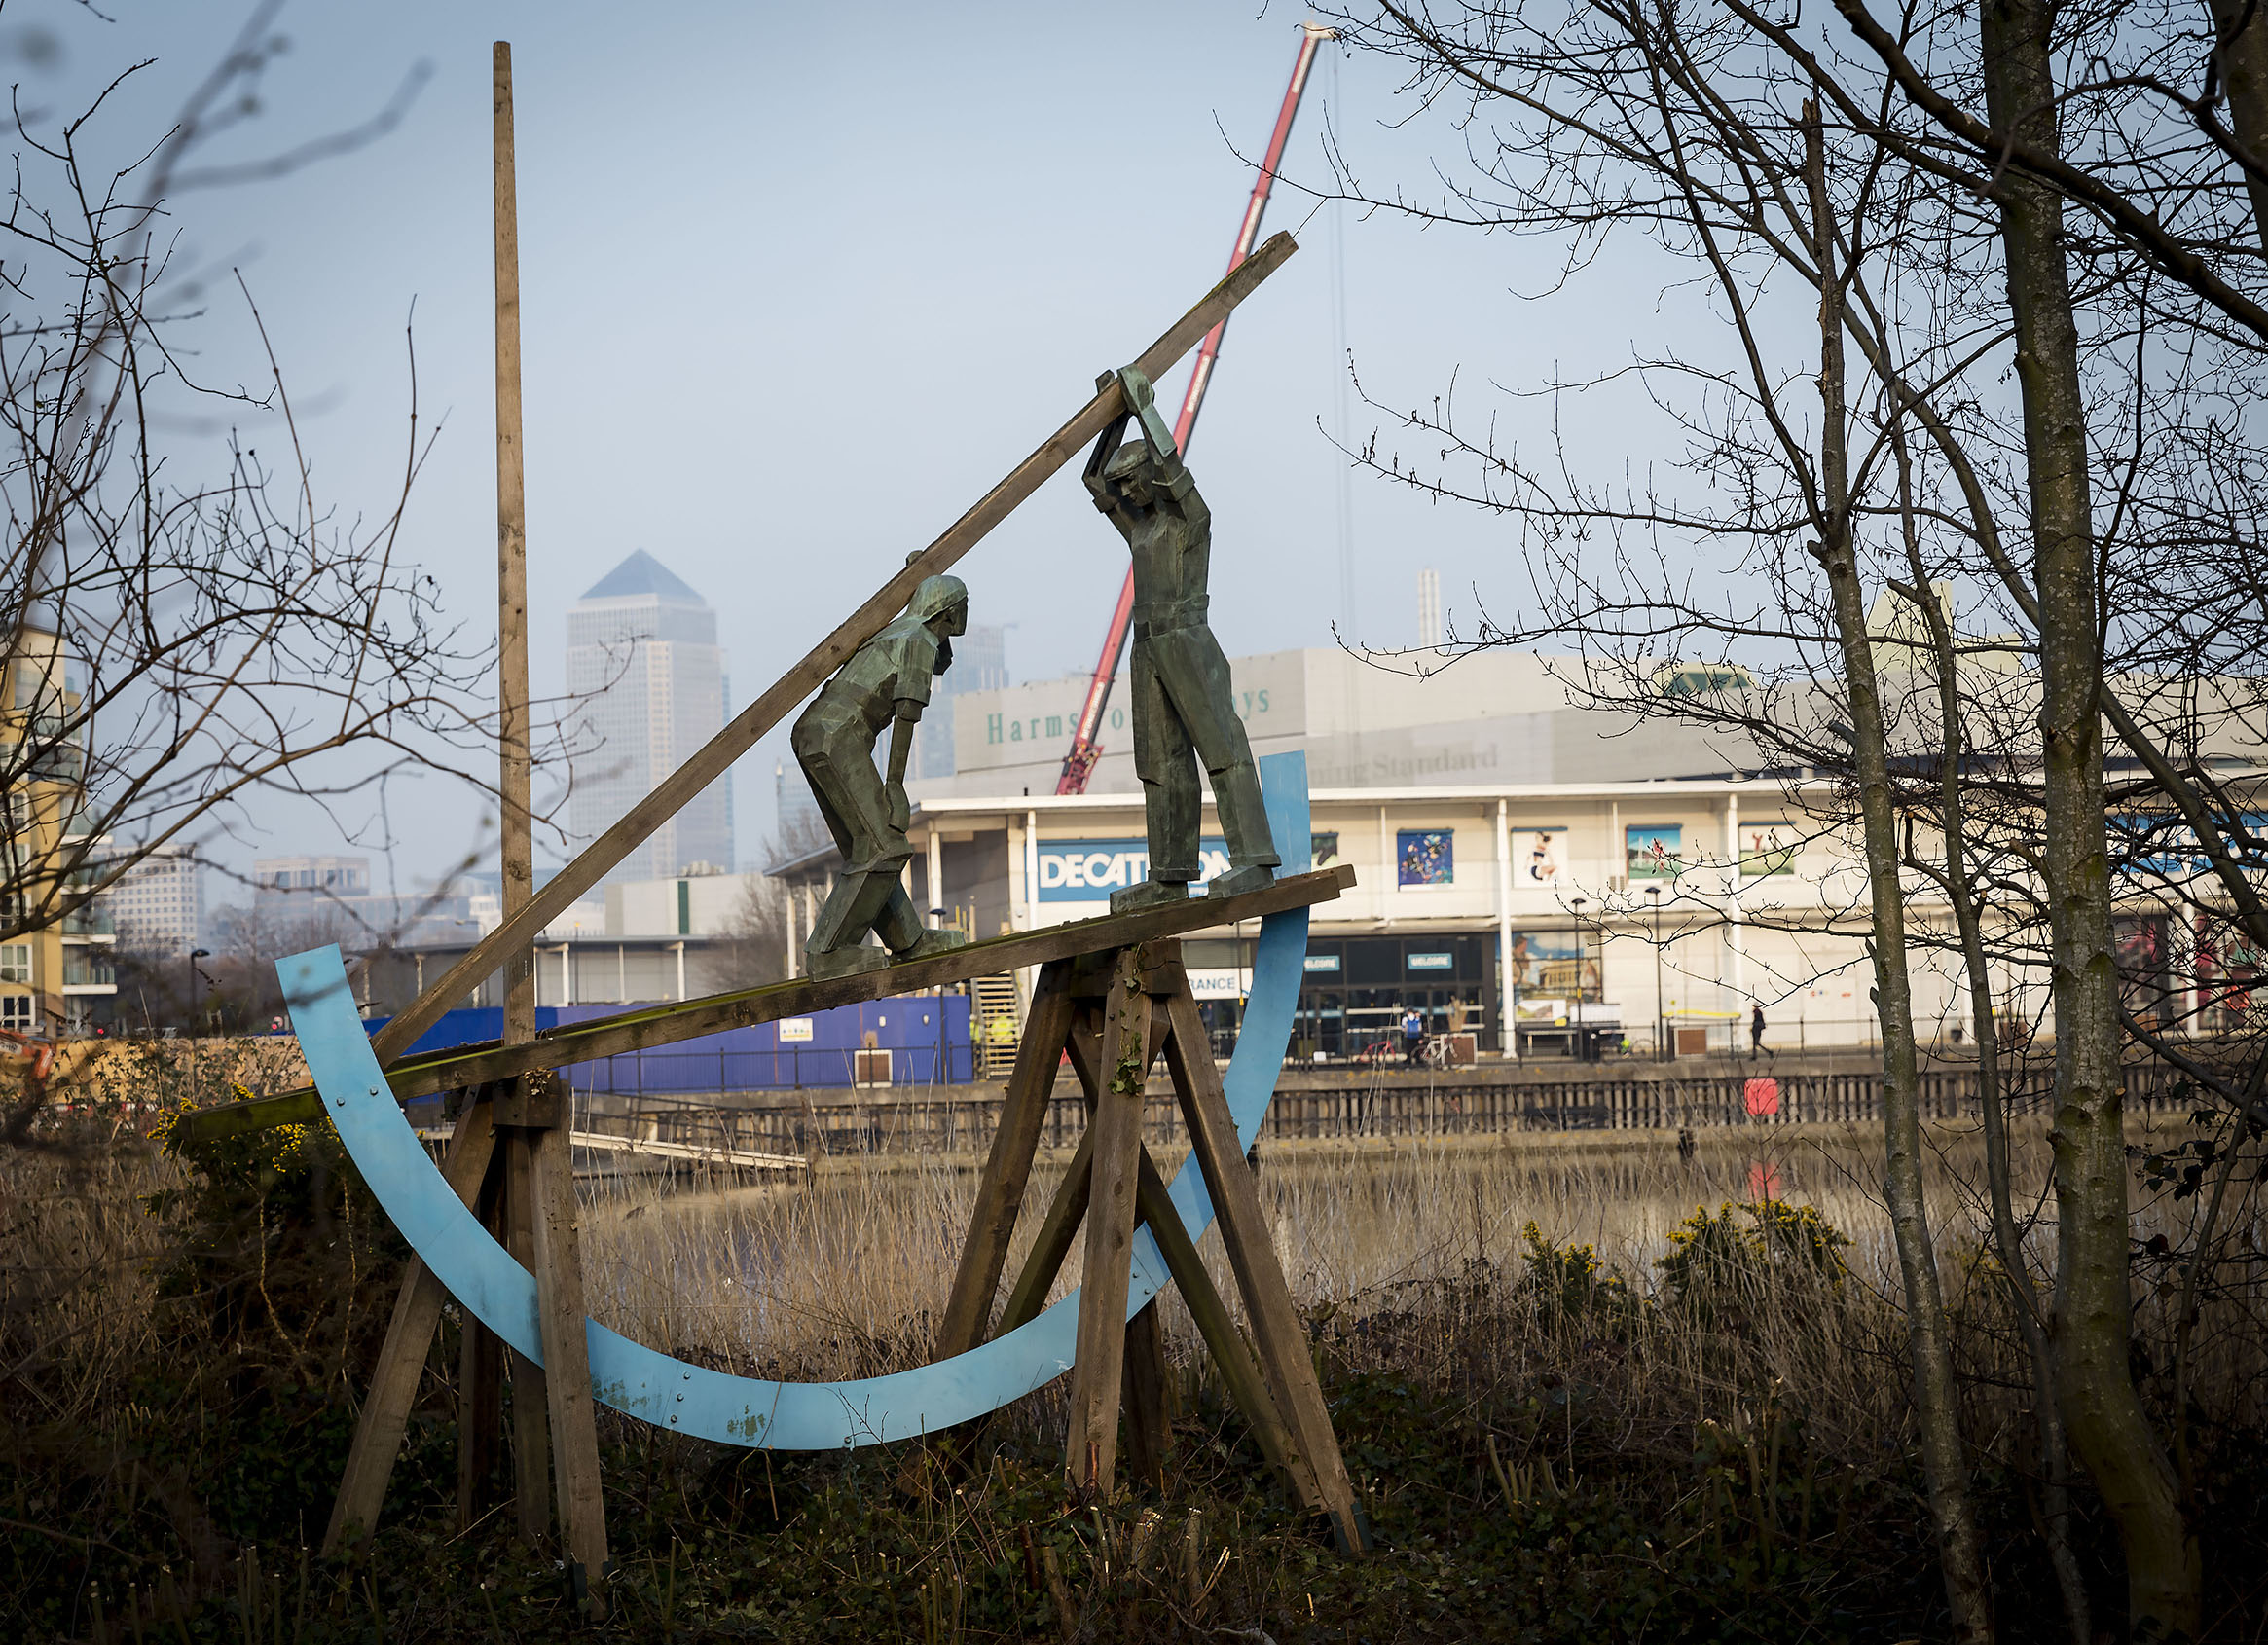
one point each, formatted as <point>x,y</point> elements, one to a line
<point>548,1207</point>
<point>530,1449</point>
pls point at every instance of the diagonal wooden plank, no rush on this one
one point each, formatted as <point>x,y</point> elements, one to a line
<point>668,1025</point>
<point>1051,1243</point>
<point>520,929</point>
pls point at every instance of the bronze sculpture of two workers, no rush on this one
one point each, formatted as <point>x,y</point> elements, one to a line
<point>1183,713</point>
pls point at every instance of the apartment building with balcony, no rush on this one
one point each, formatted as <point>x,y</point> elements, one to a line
<point>54,968</point>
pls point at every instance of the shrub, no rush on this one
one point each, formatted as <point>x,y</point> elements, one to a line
<point>1742,1253</point>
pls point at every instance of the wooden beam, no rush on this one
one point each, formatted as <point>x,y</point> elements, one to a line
<point>1149,1428</point>
<point>401,1360</point>
<point>716,756</point>
<point>1276,1329</point>
<point>1091,1443</point>
<point>668,1025</point>
<point>1007,1168</point>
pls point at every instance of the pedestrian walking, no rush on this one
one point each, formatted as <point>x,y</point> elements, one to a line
<point>1412,1036</point>
<point>1756,1034</point>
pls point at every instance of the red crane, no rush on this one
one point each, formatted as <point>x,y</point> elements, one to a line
<point>1086,734</point>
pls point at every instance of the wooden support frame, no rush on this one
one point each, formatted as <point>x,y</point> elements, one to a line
<point>1145,1002</point>
<point>1007,1168</point>
<point>531,1403</point>
<point>566,1366</point>
<point>480,1385</point>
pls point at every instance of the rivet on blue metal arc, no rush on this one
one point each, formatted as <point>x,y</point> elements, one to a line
<point>746,1411</point>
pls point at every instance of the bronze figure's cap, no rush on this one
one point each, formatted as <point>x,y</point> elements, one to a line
<point>937,595</point>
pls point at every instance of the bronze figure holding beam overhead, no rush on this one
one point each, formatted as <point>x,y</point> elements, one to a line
<point>1184,709</point>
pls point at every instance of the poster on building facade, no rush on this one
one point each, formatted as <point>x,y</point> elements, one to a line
<point>1552,961</point>
<point>1539,859</point>
<point>1424,858</point>
<point>1652,851</point>
<point>1768,847</point>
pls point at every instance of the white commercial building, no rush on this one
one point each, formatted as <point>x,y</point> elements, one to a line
<point>157,905</point>
<point>1620,903</point>
<point>1520,857</point>
<point>650,681</point>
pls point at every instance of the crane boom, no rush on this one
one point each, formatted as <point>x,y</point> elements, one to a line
<point>1086,731</point>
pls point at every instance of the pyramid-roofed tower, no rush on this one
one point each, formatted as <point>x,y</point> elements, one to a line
<point>649,685</point>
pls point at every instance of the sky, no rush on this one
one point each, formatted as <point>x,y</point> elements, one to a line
<point>799,284</point>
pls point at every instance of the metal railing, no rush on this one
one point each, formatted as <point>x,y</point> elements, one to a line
<point>963,1123</point>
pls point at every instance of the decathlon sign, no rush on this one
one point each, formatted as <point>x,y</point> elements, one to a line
<point>1089,870</point>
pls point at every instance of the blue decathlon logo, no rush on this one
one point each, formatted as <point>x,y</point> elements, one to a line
<point>1089,870</point>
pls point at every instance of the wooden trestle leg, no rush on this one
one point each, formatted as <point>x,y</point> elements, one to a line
<point>480,1384</point>
<point>1238,1369</point>
<point>1008,1169</point>
<point>401,1360</point>
<point>566,1361</point>
<point>1092,1445</point>
<point>531,1404</point>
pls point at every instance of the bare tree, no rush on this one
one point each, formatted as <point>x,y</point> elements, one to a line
<point>181,649</point>
<point>2120,626</point>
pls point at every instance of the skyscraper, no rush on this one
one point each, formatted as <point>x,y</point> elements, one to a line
<point>648,679</point>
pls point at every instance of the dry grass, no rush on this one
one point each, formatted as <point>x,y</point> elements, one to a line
<point>79,1277</point>
<point>842,1273</point>
<point>1491,1405</point>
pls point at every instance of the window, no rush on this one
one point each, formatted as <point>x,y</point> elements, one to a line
<point>16,1013</point>
<point>15,962</point>
<point>1324,848</point>
<point>93,971</point>
<point>1425,858</point>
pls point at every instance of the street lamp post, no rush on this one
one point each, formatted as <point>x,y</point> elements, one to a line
<point>194,955</point>
<point>1580,1028</point>
<point>1660,1015</point>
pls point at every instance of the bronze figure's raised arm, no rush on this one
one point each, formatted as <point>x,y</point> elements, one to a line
<point>1183,709</point>
<point>885,683</point>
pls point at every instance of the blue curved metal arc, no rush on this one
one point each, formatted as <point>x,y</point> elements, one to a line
<point>748,1410</point>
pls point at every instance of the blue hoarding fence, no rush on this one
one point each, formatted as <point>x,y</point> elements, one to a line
<point>927,1037</point>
